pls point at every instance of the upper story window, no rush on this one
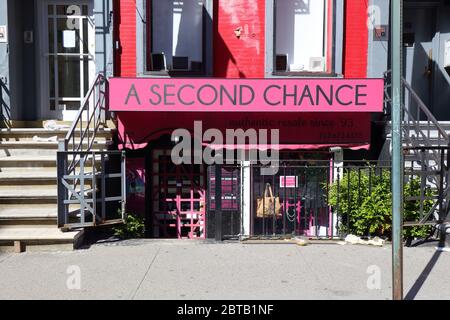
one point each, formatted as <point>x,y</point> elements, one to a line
<point>303,37</point>
<point>175,37</point>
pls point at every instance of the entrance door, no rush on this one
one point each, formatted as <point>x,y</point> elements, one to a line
<point>419,32</point>
<point>67,56</point>
<point>178,198</point>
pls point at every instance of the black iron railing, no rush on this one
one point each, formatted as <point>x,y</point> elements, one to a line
<point>323,199</point>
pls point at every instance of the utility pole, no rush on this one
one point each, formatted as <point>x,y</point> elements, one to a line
<point>397,161</point>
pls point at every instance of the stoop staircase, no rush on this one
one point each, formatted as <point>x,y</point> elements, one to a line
<point>28,187</point>
<point>49,174</point>
<point>426,154</point>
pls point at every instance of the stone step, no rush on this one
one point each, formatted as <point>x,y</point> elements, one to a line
<point>22,194</point>
<point>30,176</point>
<point>28,194</point>
<point>423,124</point>
<point>33,212</point>
<point>43,123</point>
<point>16,213</point>
<point>28,161</point>
<point>34,161</point>
<point>24,148</point>
<point>28,191</point>
<point>39,238</point>
<point>40,144</point>
<point>29,133</point>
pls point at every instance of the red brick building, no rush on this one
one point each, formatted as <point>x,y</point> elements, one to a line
<point>234,39</point>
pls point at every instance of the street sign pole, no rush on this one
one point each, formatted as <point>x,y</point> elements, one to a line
<point>396,134</point>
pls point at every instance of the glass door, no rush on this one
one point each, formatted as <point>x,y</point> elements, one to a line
<point>69,33</point>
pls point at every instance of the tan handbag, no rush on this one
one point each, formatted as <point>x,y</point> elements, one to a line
<point>268,206</point>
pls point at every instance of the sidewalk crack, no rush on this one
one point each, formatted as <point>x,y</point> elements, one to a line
<point>145,275</point>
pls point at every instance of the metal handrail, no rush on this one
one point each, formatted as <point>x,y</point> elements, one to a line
<point>82,171</point>
<point>423,108</point>
<point>421,144</point>
<point>95,117</point>
<point>94,110</point>
<point>415,120</point>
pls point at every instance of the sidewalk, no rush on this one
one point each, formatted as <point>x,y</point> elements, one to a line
<point>153,269</point>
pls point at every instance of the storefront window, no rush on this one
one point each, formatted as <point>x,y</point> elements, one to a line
<point>175,36</point>
<point>303,36</point>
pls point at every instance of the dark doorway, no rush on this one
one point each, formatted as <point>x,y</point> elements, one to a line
<point>419,31</point>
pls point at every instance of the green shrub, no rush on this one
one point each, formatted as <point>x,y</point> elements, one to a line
<point>133,227</point>
<point>366,210</point>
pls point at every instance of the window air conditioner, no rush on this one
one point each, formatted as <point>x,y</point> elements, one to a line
<point>316,64</point>
<point>159,62</point>
<point>180,63</point>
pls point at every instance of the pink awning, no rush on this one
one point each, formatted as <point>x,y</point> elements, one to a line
<point>308,131</point>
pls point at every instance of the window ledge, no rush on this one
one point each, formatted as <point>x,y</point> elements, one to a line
<point>303,75</point>
<point>173,74</point>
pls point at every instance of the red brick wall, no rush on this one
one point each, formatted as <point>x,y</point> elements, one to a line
<point>355,39</point>
<point>125,33</point>
<point>243,57</point>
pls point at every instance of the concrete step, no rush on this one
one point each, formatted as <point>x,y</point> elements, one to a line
<point>28,191</point>
<point>15,214</point>
<point>38,238</point>
<point>33,144</point>
<point>35,148</point>
<point>28,194</point>
<point>8,134</point>
<point>33,161</point>
<point>21,194</point>
<point>28,161</point>
<point>20,214</point>
<point>424,124</point>
<point>432,135</point>
<point>42,123</point>
<point>27,176</point>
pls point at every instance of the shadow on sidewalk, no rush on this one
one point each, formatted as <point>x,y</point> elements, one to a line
<point>412,293</point>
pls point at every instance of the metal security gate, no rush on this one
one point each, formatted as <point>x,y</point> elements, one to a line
<point>91,188</point>
<point>311,198</point>
<point>229,187</point>
<point>293,201</point>
<point>178,198</point>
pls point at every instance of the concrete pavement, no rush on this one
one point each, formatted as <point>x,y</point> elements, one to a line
<point>158,269</point>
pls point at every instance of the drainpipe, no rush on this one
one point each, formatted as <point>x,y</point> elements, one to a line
<point>397,168</point>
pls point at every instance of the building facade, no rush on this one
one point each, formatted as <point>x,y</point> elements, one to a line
<point>271,40</point>
<point>51,50</point>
